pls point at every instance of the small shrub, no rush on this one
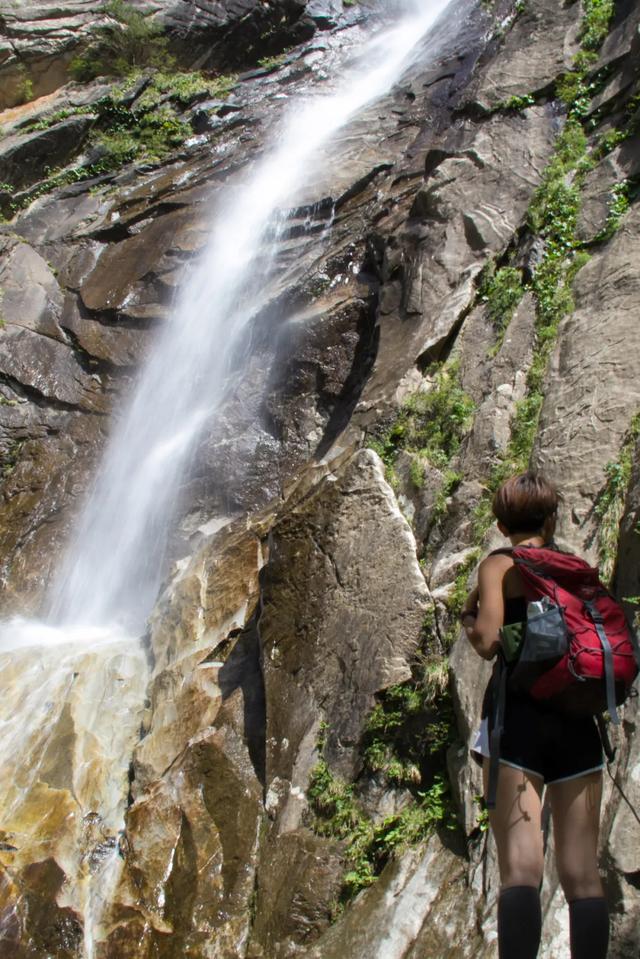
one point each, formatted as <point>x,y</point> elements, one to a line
<point>517,103</point>
<point>621,196</point>
<point>501,292</point>
<point>270,63</point>
<point>127,42</point>
<point>405,742</point>
<point>610,503</point>
<point>596,23</point>
<point>609,141</point>
<point>24,90</point>
<point>450,482</point>
<point>431,423</point>
<point>435,421</point>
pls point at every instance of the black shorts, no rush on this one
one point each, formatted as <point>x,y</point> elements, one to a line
<point>549,744</point>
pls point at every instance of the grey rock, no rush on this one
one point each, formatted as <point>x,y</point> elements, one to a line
<point>25,157</point>
<point>416,910</point>
<point>324,650</point>
<point>535,50</point>
<point>592,391</point>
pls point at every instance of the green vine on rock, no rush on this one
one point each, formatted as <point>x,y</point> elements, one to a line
<point>610,503</point>
<point>404,746</point>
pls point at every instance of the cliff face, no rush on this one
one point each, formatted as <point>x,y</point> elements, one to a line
<point>283,768</point>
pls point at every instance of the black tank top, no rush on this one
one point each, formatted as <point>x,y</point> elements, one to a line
<point>515,610</point>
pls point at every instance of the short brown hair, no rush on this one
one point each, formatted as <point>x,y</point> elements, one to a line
<point>524,503</point>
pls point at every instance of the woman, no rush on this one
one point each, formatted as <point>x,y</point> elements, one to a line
<point>539,747</point>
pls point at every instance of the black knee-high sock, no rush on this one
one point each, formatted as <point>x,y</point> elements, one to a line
<point>519,922</point>
<point>589,928</point>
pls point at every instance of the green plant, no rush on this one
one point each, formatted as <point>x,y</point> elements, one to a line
<point>482,818</point>
<point>404,743</point>
<point>501,291</point>
<point>620,201</point>
<point>431,424</point>
<point>183,88</point>
<point>610,503</point>
<point>128,41</point>
<point>10,458</point>
<point>406,727</point>
<point>516,103</point>
<point>416,471</point>
<point>595,23</point>
<point>609,141</point>
<point>458,594</point>
<point>24,89</point>
<point>434,421</point>
<point>451,480</point>
<point>269,63</point>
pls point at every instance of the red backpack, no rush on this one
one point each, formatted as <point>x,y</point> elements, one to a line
<point>578,651</point>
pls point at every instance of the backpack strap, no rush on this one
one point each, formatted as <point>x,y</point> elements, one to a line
<point>609,751</point>
<point>500,680</point>
<point>607,652</point>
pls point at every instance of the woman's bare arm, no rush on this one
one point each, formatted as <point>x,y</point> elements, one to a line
<point>483,632</point>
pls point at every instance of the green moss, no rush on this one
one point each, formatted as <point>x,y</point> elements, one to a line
<point>10,458</point>
<point>610,503</point>
<point>270,63</point>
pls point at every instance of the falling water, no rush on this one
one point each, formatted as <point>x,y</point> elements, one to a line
<point>81,669</point>
<point>113,566</point>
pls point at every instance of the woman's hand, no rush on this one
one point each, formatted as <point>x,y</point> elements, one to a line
<point>470,607</point>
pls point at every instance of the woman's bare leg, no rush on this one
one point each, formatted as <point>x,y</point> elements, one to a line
<point>515,823</point>
<point>575,807</point>
<point>516,826</point>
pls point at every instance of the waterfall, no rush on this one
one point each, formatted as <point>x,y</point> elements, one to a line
<point>111,574</point>
<point>83,666</point>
